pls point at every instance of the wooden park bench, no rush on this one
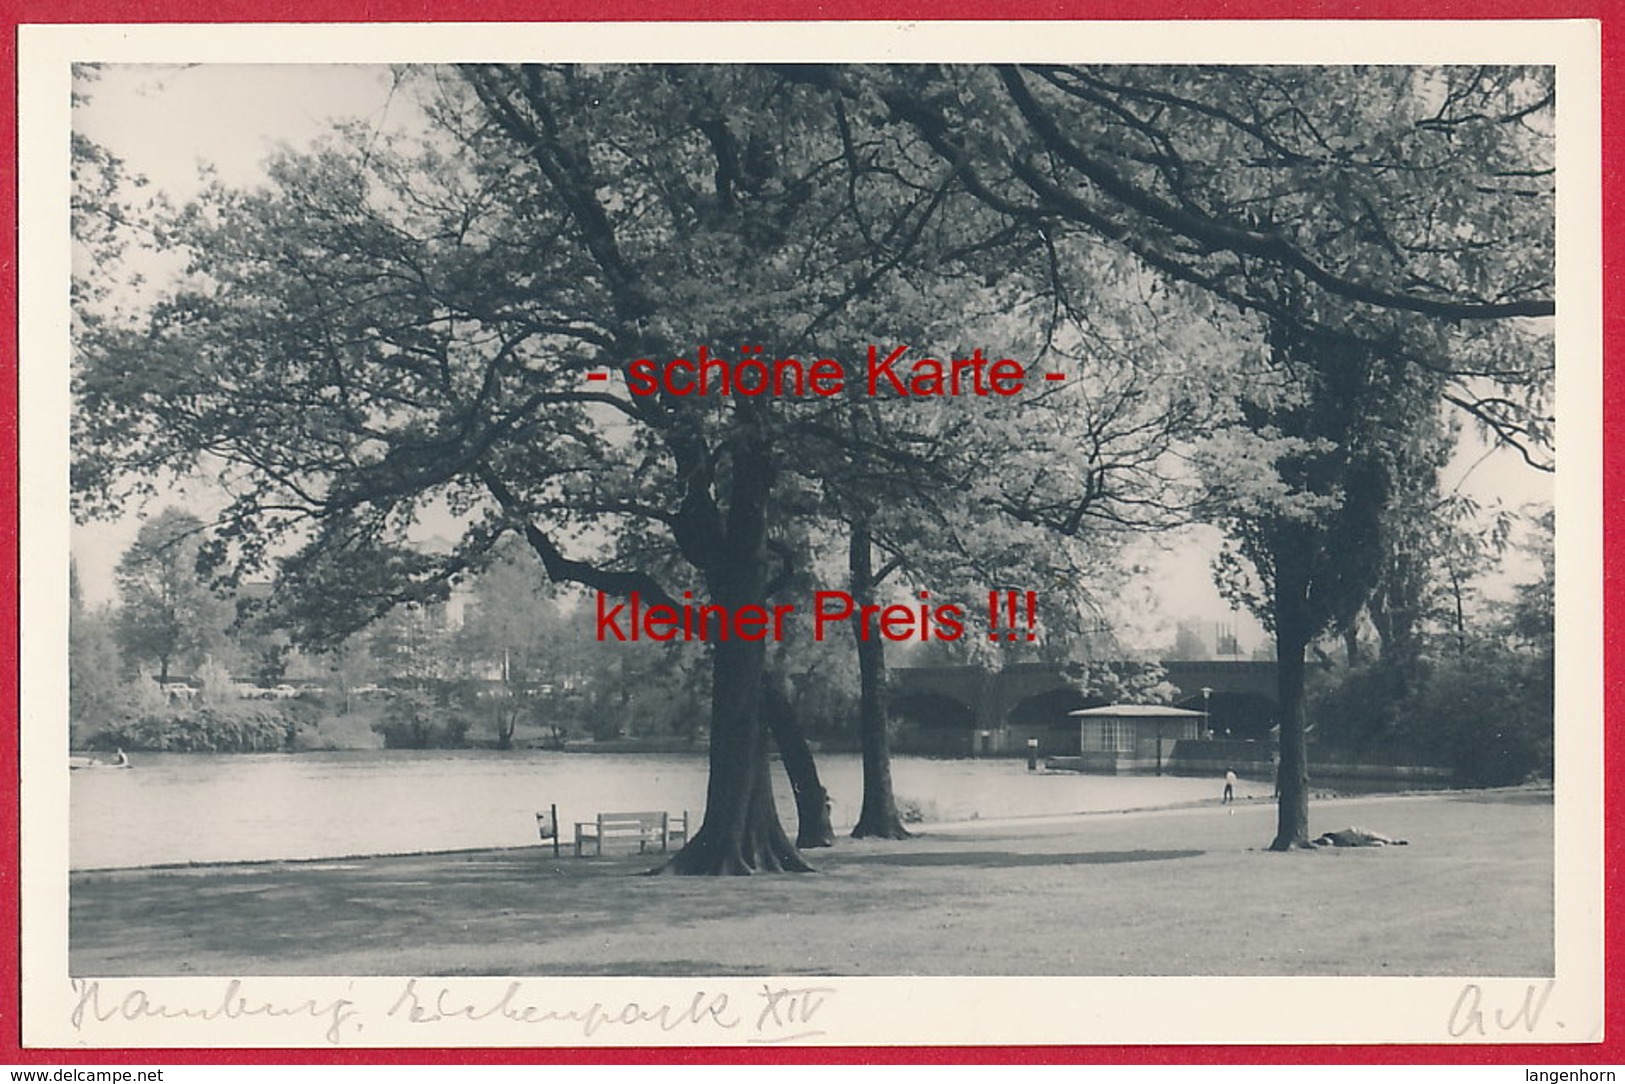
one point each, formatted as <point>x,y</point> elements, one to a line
<point>645,828</point>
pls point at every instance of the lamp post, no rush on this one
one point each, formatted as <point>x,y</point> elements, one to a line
<point>1207,717</point>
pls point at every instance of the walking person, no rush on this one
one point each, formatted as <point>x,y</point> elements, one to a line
<point>1229,786</point>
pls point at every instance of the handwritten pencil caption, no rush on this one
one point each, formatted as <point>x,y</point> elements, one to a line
<point>764,1013</point>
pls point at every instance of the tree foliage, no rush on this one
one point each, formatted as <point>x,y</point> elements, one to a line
<point>1306,482</point>
<point>1477,698</point>
<point>1124,683</point>
<point>95,670</point>
<point>170,614</point>
<point>1406,208</point>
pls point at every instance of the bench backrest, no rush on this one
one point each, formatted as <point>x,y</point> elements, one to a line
<point>641,822</point>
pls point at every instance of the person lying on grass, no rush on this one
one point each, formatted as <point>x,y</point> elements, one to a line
<point>1358,837</point>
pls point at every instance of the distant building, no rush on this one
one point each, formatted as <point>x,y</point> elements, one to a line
<point>1132,737</point>
<point>1198,641</point>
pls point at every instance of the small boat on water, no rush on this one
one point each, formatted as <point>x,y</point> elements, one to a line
<point>78,761</point>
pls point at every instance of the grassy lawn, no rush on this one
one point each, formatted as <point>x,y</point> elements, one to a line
<point>1176,892</point>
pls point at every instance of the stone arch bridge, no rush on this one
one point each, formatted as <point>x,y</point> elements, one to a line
<point>965,710</point>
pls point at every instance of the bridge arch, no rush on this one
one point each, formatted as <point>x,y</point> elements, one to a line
<point>964,710</point>
<point>933,723</point>
<point>1242,715</point>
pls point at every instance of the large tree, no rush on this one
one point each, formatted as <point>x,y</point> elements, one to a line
<point>1389,223</point>
<point>388,330</point>
<point>795,161</point>
<point>1305,483</point>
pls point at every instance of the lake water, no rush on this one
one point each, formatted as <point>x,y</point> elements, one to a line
<point>197,808</point>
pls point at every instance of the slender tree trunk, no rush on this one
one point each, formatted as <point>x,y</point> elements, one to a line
<point>741,833</point>
<point>879,817</point>
<point>1351,645</point>
<point>1461,617</point>
<point>1292,635</point>
<point>812,800</point>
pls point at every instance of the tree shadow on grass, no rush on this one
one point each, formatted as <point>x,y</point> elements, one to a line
<point>1009,859</point>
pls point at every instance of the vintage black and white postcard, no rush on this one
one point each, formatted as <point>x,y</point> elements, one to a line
<point>732,534</point>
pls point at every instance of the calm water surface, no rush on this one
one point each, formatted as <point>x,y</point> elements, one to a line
<point>199,808</point>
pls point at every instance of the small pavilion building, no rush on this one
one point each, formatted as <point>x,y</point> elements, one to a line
<point>1132,737</point>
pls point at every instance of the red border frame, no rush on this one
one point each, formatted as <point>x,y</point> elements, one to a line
<point>1610,13</point>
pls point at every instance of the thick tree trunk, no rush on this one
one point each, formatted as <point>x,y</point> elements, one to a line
<point>741,832</point>
<point>812,800</point>
<point>879,817</point>
<point>1292,635</point>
